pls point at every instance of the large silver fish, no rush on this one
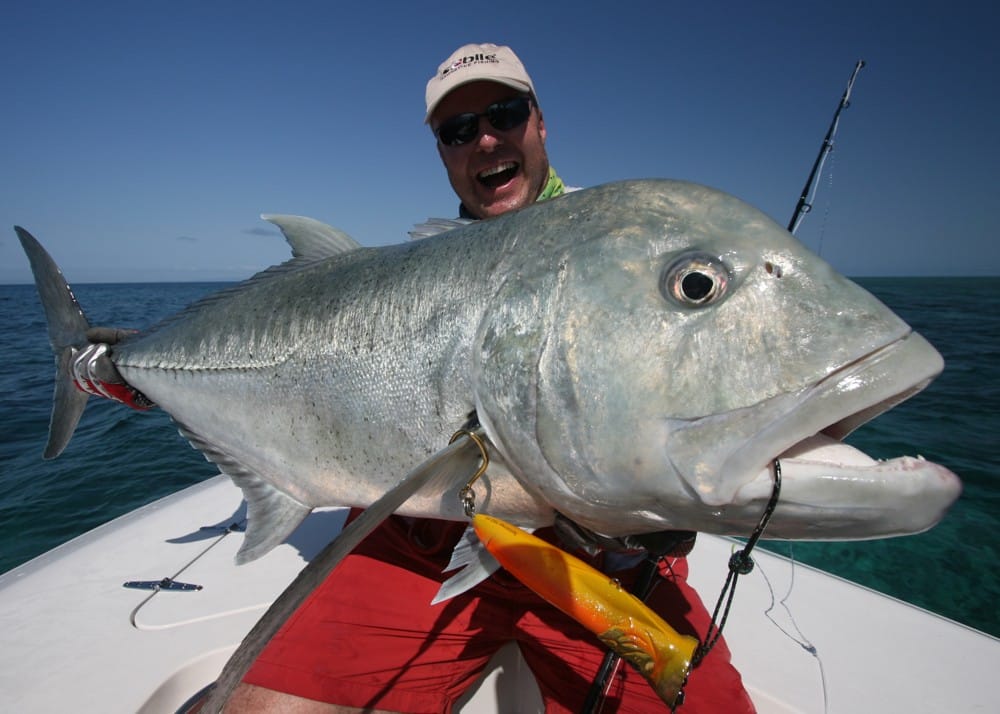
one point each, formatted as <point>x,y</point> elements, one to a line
<point>637,355</point>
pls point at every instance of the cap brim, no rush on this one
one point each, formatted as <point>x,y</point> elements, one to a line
<point>517,84</point>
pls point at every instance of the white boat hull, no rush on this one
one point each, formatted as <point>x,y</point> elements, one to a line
<point>73,636</point>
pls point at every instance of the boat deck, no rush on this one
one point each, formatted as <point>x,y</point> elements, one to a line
<point>73,634</point>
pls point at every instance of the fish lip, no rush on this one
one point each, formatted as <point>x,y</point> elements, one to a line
<point>841,428</point>
<point>884,377</point>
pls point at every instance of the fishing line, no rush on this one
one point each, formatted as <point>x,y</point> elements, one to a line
<point>166,582</point>
<point>826,208</point>
<point>739,564</point>
<point>802,641</point>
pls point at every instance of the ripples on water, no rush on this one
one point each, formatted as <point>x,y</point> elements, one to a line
<point>120,459</point>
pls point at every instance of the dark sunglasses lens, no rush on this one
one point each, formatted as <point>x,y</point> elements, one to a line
<point>509,114</point>
<point>503,116</point>
<point>459,129</point>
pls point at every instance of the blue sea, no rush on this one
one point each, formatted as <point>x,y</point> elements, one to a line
<point>120,459</point>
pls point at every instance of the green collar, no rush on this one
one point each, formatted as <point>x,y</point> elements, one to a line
<point>553,187</point>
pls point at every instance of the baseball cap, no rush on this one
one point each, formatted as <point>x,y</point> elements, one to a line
<point>475,63</point>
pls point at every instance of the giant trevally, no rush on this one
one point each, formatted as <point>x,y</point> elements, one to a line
<point>637,355</point>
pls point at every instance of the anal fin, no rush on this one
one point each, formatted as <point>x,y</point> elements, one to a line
<point>272,515</point>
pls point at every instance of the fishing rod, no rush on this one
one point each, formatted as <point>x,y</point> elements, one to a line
<point>805,201</point>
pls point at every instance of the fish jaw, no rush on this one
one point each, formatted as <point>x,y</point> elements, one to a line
<point>832,491</point>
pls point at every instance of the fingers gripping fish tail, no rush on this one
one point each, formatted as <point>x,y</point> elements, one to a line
<point>623,622</point>
<point>81,368</point>
<point>93,372</point>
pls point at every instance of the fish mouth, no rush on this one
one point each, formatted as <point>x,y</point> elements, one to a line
<point>831,490</point>
<point>498,175</point>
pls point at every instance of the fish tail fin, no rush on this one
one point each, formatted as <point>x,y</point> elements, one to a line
<point>67,332</point>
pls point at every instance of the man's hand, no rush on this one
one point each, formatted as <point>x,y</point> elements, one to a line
<point>93,371</point>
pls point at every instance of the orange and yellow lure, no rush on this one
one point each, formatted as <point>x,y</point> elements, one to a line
<point>599,603</point>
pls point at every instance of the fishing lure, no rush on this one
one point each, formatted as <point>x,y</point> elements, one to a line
<point>619,619</point>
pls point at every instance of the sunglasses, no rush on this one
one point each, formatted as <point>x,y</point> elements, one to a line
<point>505,115</point>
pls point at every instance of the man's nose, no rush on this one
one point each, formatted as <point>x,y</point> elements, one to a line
<point>488,139</point>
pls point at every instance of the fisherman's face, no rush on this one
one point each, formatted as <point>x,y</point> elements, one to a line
<point>496,171</point>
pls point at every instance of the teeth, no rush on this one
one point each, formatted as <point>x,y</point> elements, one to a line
<point>497,169</point>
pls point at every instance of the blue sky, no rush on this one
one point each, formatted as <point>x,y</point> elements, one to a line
<point>140,141</point>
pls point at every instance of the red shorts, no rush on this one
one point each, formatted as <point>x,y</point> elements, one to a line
<point>368,637</point>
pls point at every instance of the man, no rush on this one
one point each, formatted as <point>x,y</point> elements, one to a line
<point>499,164</point>
<point>367,639</point>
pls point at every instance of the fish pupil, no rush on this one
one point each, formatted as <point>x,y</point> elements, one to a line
<point>696,286</point>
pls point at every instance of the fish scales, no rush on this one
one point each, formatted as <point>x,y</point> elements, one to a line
<point>377,354</point>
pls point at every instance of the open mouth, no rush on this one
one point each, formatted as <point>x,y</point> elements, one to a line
<point>803,426</point>
<point>832,490</point>
<point>498,175</point>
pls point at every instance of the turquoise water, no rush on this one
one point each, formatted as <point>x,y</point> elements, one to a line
<point>953,569</point>
<point>120,459</point>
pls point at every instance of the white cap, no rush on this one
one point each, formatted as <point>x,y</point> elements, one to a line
<point>477,63</point>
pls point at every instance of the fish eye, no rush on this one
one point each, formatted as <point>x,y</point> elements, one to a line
<point>694,279</point>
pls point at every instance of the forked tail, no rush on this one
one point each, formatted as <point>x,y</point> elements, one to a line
<point>67,333</point>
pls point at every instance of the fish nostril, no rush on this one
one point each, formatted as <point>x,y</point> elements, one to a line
<point>772,269</point>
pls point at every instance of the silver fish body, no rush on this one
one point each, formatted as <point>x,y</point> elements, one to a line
<point>328,382</point>
<point>637,353</point>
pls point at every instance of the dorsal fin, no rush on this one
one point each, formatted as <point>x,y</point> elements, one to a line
<point>433,226</point>
<point>311,239</point>
<point>311,242</point>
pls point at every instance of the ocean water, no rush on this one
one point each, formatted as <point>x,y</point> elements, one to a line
<point>120,459</point>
